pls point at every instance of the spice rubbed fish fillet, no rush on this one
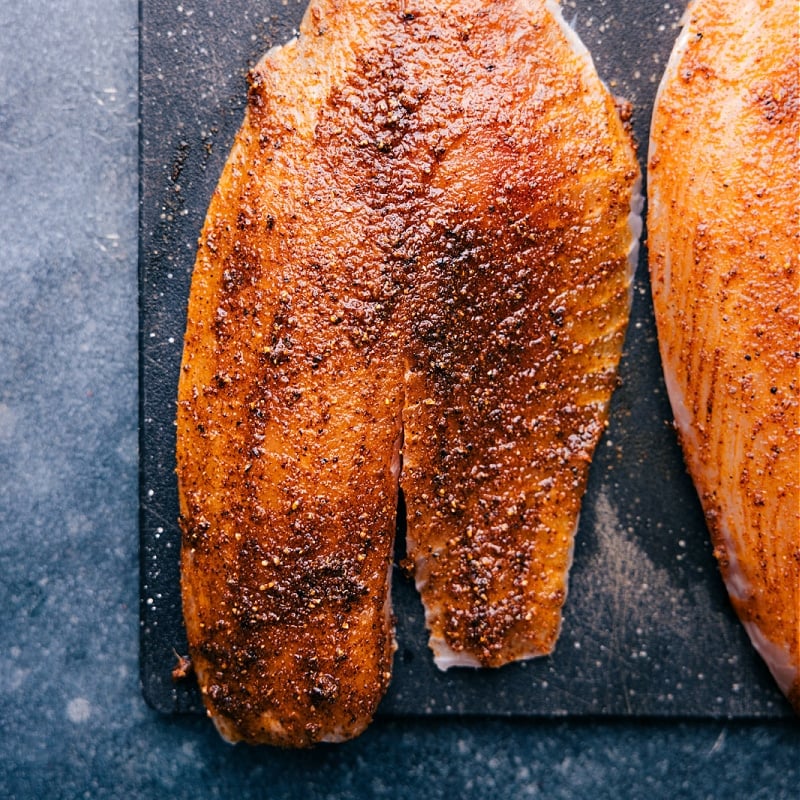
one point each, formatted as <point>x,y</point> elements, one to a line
<point>724,240</point>
<point>423,239</point>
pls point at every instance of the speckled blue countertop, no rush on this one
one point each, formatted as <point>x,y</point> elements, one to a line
<point>72,719</point>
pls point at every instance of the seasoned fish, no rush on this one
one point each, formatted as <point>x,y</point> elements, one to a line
<point>517,328</point>
<point>724,241</point>
<point>422,241</point>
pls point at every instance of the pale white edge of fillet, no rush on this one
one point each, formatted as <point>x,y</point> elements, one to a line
<point>777,658</point>
<point>443,655</point>
<point>677,399</point>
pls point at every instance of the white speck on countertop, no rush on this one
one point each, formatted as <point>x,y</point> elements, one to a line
<point>78,710</point>
<point>8,419</point>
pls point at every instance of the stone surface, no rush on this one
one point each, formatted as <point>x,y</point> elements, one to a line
<point>72,719</point>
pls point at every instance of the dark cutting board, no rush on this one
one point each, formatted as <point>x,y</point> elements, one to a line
<point>648,630</point>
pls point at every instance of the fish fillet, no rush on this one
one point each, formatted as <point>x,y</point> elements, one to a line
<point>518,329</point>
<point>415,271</point>
<point>724,240</point>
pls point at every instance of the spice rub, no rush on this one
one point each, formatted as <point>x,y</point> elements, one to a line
<point>415,272</point>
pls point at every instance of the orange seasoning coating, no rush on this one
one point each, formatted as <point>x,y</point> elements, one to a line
<point>518,320</point>
<point>724,240</point>
<point>418,258</point>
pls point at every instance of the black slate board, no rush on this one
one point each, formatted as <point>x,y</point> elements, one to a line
<point>648,630</point>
